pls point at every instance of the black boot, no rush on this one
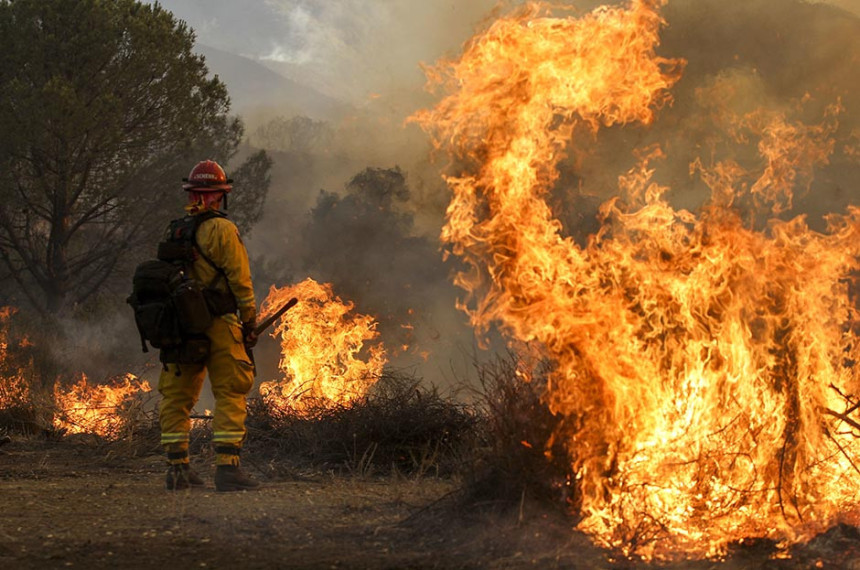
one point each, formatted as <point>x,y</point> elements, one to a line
<point>232,478</point>
<point>181,476</point>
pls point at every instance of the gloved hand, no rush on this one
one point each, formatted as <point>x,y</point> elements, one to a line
<point>249,337</point>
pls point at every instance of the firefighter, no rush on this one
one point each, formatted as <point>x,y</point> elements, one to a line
<point>219,252</point>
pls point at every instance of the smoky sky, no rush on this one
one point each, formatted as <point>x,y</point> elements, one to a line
<point>352,49</point>
<point>348,49</point>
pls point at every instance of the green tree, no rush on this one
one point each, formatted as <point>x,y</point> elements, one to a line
<point>299,134</point>
<point>104,107</point>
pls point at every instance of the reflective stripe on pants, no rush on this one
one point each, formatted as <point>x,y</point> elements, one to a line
<point>231,375</point>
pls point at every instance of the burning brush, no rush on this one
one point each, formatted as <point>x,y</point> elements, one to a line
<point>105,410</point>
<point>323,354</point>
<point>703,363</point>
<point>17,406</point>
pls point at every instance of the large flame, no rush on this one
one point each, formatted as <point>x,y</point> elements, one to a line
<point>704,368</point>
<point>324,356</point>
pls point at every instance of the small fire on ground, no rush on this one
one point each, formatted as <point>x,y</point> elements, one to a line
<point>703,363</point>
<point>80,407</point>
<point>101,409</point>
<point>330,355</point>
<point>14,381</point>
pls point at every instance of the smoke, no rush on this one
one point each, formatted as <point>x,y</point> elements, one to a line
<point>347,49</point>
<point>788,56</point>
<point>852,6</point>
<point>797,60</point>
<point>95,348</point>
<point>374,256</point>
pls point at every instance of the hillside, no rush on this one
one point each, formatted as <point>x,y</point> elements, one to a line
<point>253,86</point>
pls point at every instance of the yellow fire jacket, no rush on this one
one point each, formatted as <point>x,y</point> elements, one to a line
<point>218,238</point>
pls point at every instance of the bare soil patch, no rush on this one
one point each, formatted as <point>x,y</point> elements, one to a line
<point>65,506</point>
<point>74,505</point>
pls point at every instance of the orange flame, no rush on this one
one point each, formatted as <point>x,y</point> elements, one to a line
<point>14,388</point>
<point>97,409</point>
<point>80,408</point>
<point>705,369</point>
<point>323,355</point>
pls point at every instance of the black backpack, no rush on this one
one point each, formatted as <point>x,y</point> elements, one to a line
<point>171,309</point>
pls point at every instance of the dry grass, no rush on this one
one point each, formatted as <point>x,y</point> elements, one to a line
<point>400,426</point>
<point>511,461</point>
<point>27,411</point>
<point>20,419</point>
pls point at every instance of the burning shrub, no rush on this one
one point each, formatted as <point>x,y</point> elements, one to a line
<point>336,407</point>
<point>399,425</point>
<point>18,411</point>
<point>703,362</point>
<point>20,403</point>
<point>111,411</point>
<point>324,355</point>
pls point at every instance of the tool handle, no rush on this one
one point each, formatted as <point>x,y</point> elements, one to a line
<point>269,320</point>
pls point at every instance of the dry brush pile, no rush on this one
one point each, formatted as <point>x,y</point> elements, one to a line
<point>399,426</point>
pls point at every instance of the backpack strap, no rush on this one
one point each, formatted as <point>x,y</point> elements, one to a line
<point>199,219</point>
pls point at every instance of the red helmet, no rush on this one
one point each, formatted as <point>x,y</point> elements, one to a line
<point>207,176</point>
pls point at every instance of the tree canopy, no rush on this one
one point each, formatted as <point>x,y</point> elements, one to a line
<point>104,107</point>
<point>299,134</point>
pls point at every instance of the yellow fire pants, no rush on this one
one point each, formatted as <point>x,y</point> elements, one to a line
<point>231,375</point>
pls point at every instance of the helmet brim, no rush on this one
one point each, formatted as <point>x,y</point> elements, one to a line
<point>226,187</point>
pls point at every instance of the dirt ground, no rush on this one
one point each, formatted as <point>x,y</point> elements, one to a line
<point>68,505</point>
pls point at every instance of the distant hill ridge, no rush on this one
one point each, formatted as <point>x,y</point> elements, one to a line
<point>253,86</point>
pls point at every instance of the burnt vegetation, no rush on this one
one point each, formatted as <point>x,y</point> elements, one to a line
<point>494,444</point>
